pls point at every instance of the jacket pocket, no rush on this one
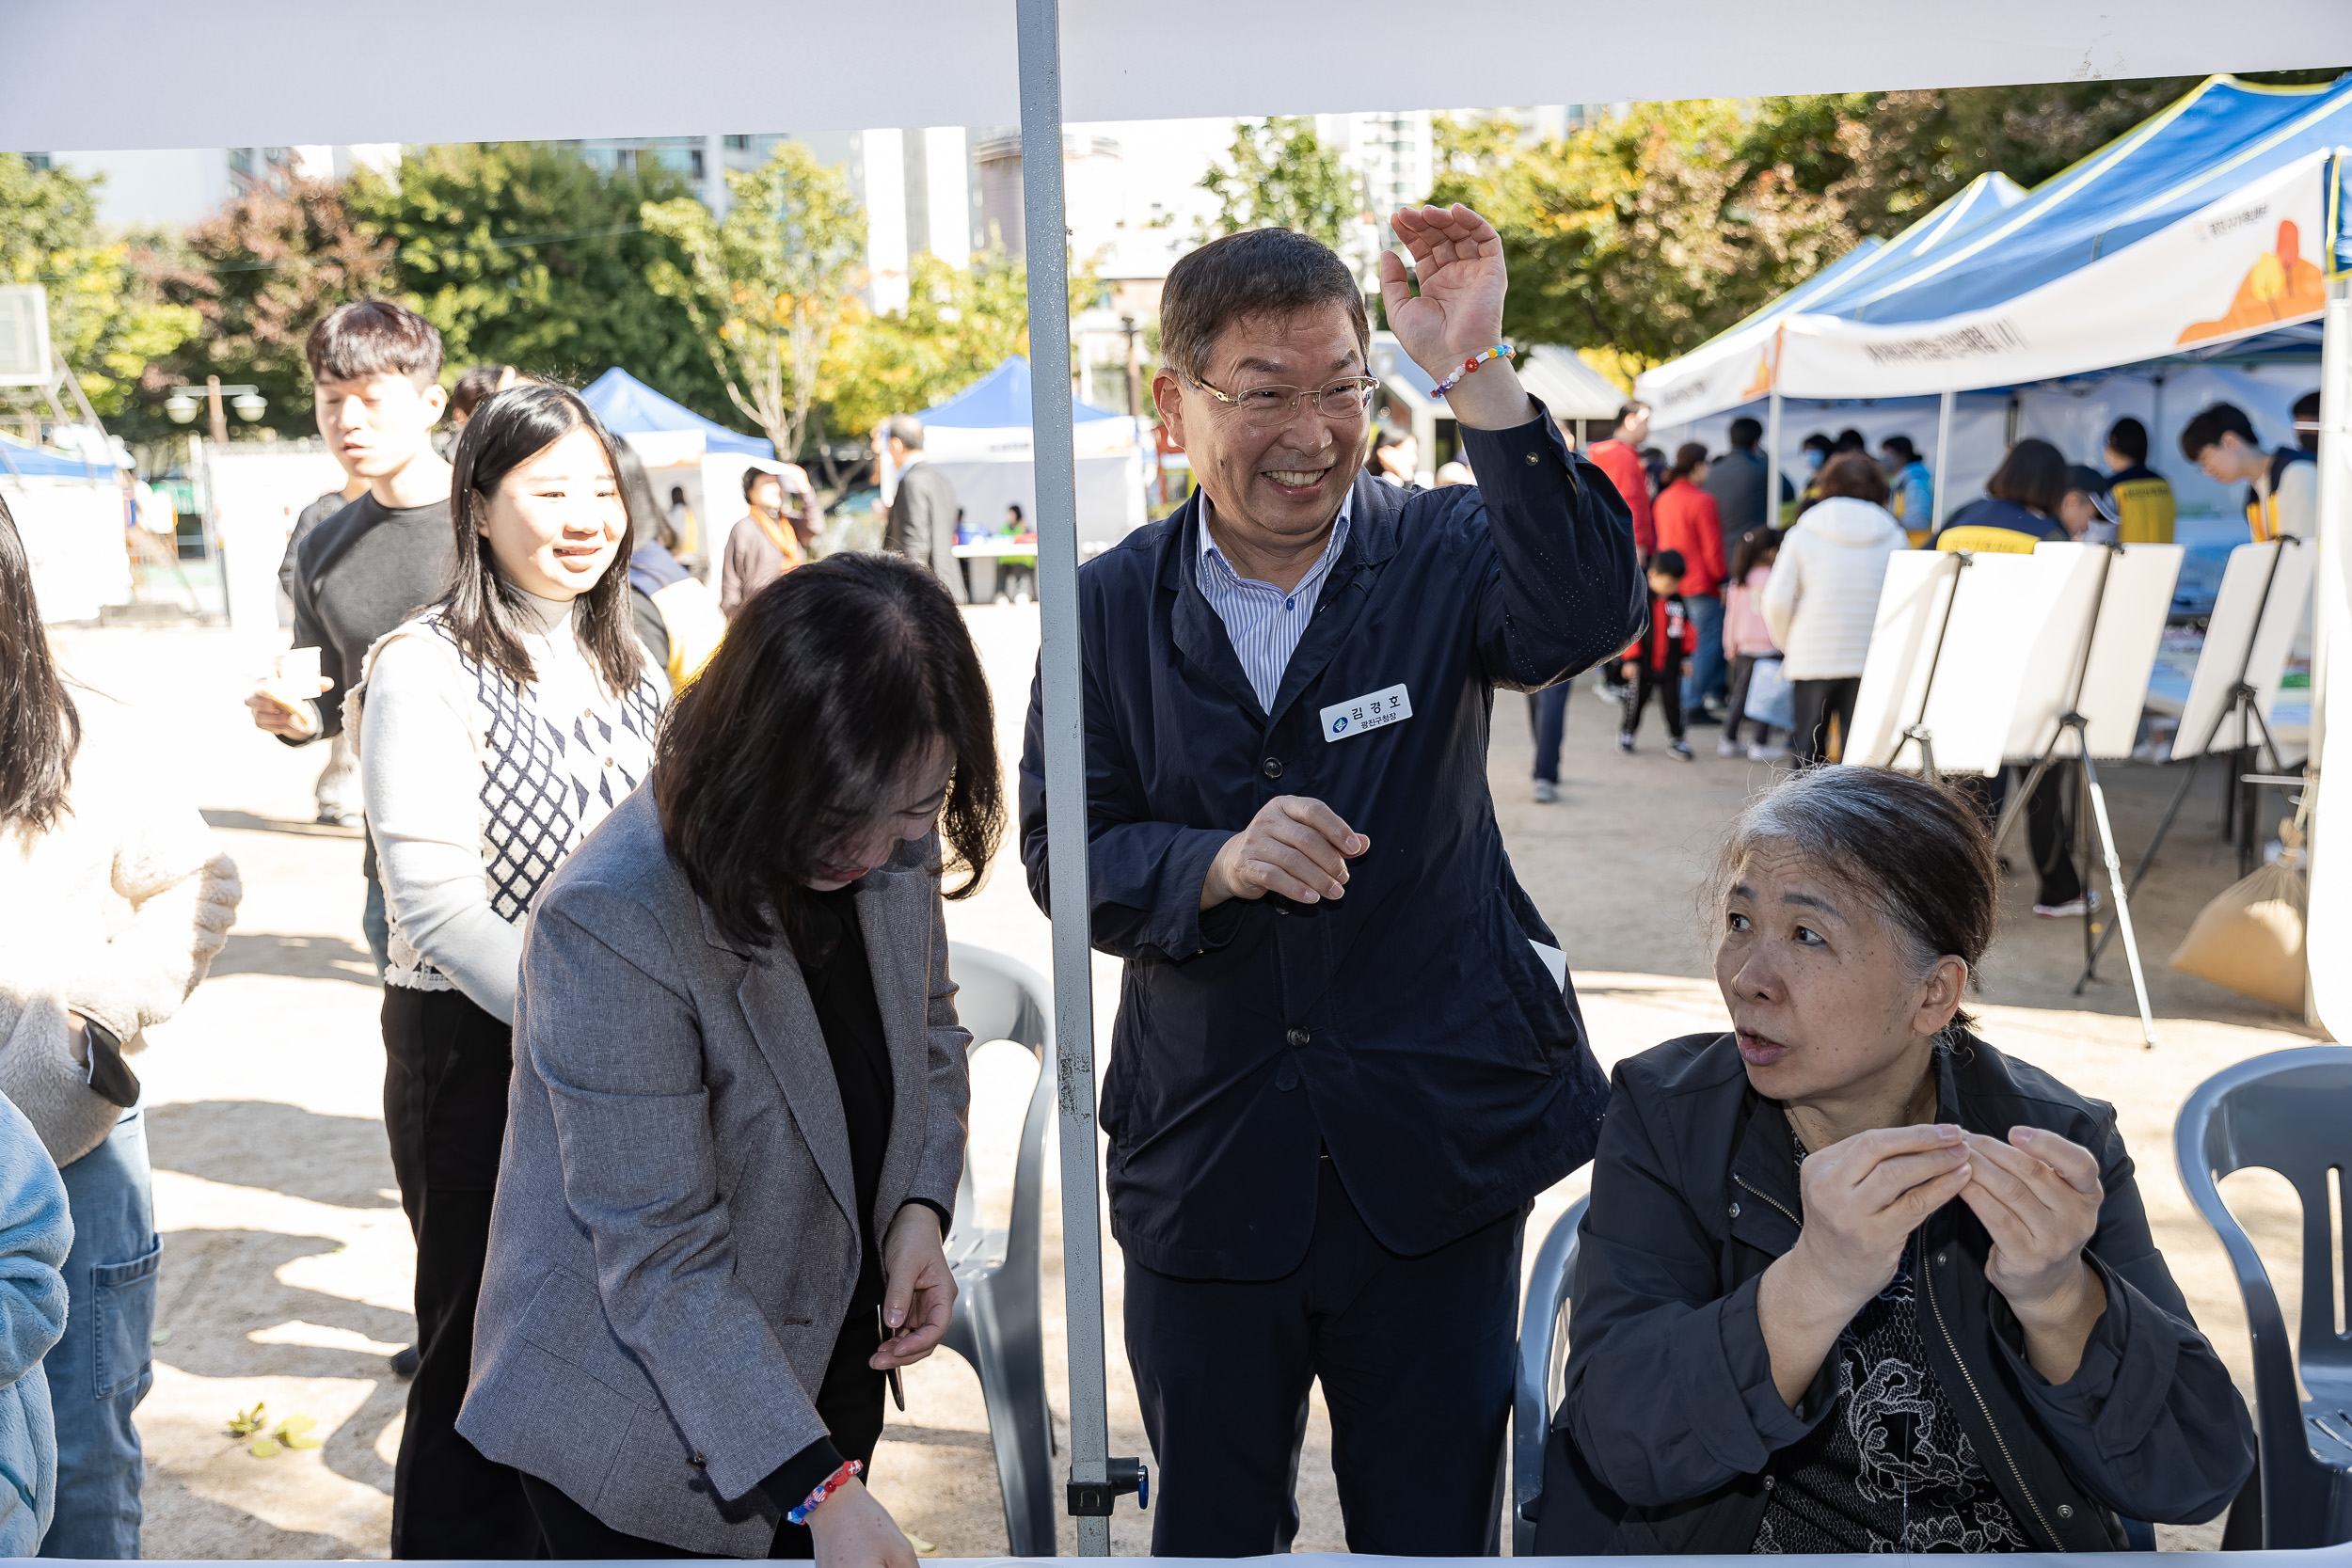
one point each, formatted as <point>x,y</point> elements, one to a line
<point>566,1319</point>
<point>122,1323</point>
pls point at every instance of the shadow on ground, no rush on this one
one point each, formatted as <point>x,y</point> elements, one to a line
<point>311,957</point>
<point>260,1143</point>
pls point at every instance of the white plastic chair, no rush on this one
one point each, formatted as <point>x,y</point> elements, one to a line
<point>998,1327</point>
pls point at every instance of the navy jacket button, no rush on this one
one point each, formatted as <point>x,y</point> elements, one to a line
<point>1532,460</point>
<point>1298,1036</point>
<point>1272,767</point>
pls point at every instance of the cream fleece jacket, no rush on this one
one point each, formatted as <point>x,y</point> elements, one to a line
<point>1822,598</point>
<point>115,914</point>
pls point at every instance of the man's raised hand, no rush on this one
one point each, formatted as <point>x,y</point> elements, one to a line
<point>1295,846</point>
<point>1457,258</point>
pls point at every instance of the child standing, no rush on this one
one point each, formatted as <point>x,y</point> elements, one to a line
<point>1656,662</point>
<point>1747,639</point>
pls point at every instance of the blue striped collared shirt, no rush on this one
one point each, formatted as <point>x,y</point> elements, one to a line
<point>1263,623</point>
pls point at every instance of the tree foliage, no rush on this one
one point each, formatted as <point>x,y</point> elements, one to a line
<point>1278,174</point>
<point>106,317</point>
<point>259,275</point>
<point>525,254</point>
<point>1647,233</point>
<point>771,291</point>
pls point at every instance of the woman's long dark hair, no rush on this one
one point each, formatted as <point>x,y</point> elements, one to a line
<point>480,607</point>
<point>40,730</point>
<point>830,683</point>
<point>2032,475</point>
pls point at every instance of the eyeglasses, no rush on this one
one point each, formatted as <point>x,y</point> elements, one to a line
<point>1344,399</point>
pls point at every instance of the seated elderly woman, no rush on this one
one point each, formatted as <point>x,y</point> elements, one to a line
<point>1853,1280</point>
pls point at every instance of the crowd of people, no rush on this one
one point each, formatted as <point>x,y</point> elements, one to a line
<point>675,1093</point>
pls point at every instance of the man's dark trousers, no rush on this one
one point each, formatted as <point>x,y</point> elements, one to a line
<point>1415,1356</point>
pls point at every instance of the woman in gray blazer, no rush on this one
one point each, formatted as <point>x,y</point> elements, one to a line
<point>738,1107</point>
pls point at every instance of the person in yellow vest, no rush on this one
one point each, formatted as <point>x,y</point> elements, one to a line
<point>2142,497</point>
<point>2284,496</point>
<point>2020,507</point>
<point>676,616</point>
<point>774,537</point>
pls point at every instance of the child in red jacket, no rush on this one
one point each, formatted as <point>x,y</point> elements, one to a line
<point>1656,661</point>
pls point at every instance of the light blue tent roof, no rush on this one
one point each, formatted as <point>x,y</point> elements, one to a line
<point>1000,400</point>
<point>25,461</point>
<point>630,407</point>
<point>2214,141</point>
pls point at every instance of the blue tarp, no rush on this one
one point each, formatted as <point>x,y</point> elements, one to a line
<point>2214,141</point>
<point>1000,400</point>
<point>26,461</point>
<point>630,407</point>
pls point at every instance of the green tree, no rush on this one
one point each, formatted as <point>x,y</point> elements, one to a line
<point>1278,174</point>
<point>260,274</point>
<point>771,291</point>
<point>958,323</point>
<point>106,317</point>
<point>1646,233</point>
<point>524,253</point>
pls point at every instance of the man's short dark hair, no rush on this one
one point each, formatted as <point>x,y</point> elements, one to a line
<point>2129,438</point>
<point>2307,422</point>
<point>1903,449</point>
<point>373,337</point>
<point>1390,435</point>
<point>1745,433</point>
<point>1626,412</point>
<point>2210,425</point>
<point>1851,439</point>
<point>1258,272</point>
<point>1818,442</point>
<point>905,429</point>
<point>1668,561</point>
<point>477,387</point>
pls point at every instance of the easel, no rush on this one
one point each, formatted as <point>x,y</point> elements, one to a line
<point>2073,722</point>
<point>1917,729</point>
<point>2244,706</point>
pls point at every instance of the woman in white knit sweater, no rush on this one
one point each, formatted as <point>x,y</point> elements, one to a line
<point>1823,599</point>
<point>111,909</point>
<point>497,728</point>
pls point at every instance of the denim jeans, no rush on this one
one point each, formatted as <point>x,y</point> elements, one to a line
<point>378,926</point>
<point>1706,675</point>
<point>102,1368</point>
<point>1548,714</point>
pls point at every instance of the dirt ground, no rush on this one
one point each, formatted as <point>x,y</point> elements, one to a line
<point>287,1269</point>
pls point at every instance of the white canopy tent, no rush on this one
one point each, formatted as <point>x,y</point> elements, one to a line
<point>451,71</point>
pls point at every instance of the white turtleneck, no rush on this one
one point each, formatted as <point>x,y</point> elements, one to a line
<point>422,751</point>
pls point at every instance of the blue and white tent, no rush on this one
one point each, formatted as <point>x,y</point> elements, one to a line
<point>630,407</point>
<point>982,439</point>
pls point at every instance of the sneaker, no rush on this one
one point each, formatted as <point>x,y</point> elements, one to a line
<point>1625,744</point>
<point>1767,753</point>
<point>2073,909</point>
<point>1546,792</point>
<point>1729,748</point>
<point>1679,750</point>
<point>406,1362</point>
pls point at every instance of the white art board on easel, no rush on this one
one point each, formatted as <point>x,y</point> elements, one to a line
<point>2123,615</point>
<point>2000,607</point>
<point>2231,630</point>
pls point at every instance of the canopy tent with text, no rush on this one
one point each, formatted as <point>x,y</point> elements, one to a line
<point>982,440</point>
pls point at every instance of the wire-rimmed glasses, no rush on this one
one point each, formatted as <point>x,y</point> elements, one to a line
<point>1344,399</point>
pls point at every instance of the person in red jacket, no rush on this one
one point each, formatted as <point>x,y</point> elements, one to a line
<point>1619,455</point>
<point>1689,523</point>
<point>1655,661</point>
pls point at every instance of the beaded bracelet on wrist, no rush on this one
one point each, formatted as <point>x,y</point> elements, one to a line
<point>851,1470</point>
<point>1442,387</point>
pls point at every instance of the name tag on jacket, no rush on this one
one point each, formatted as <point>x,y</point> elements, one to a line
<point>1391,705</point>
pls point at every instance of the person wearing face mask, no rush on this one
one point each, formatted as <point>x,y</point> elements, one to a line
<point>497,728</point>
<point>1341,1069</point>
<point>740,1093</point>
<point>1852,1279</point>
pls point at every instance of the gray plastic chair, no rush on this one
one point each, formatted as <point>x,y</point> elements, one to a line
<point>1542,1369</point>
<point>2290,1112</point>
<point>998,1327</point>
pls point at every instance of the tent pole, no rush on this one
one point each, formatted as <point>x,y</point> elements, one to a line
<point>2325,997</point>
<point>1040,30</point>
<point>1939,491</point>
<point>1772,461</point>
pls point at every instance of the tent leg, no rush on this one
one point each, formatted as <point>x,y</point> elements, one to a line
<point>1039,32</point>
<point>1941,490</point>
<point>1772,461</point>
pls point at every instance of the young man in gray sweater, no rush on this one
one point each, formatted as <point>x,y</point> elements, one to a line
<point>358,574</point>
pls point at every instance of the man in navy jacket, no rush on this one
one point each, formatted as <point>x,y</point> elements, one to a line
<point>1340,1070</point>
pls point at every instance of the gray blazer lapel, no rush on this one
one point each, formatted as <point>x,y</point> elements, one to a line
<point>784,1021</point>
<point>894,916</point>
